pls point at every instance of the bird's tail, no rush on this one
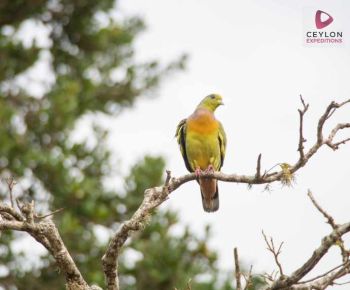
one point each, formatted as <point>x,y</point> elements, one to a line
<point>210,194</point>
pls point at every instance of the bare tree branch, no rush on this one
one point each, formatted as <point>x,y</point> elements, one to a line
<point>332,107</point>
<point>238,273</point>
<point>322,282</point>
<point>157,195</point>
<point>329,140</point>
<point>293,282</point>
<point>329,218</point>
<point>275,252</point>
<point>237,270</point>
<point>278,176</point>
<point>322,275</point>
<point>248,278</point>
<point>258,167</point>
<point>49,214</point>
<point>330,221</point>
<point>301,125</point>
<point>10,184</point>
<point>11,211</point>
<point>46,233</point>
<point>153,198</point>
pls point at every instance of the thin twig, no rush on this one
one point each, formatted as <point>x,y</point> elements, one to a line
<point>297,275</point>
<point>10,184</point>
<point>322,275</point>
<point>328,280</point>
<point>275,252</point>
<point>341,283</point>
<point>270,277</point>
<point>189,284</point>
<point>329,218</point>
<point>327,114</point>
<point>331,222</point>
<point>168,177</point>
<point>258,167</point>
<point>49,214</point>
<point>248,279</point>
<point>336,145</point>
<point>301,125</point>
<point>329,140</point>
<point>18,203</point>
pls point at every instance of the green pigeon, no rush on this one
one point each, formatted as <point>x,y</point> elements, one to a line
<point>202,142</point>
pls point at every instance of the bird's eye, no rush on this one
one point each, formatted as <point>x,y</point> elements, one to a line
<point>212,97</point>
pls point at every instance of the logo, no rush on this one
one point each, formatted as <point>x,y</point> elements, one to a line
<point>320,28</point>
<point>322,24</point>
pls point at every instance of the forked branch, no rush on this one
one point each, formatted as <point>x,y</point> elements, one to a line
<point>45,232</point>
<point>157,195</point>
<point>304,156</point>
<point>295,280</point>
<point>275,251</point>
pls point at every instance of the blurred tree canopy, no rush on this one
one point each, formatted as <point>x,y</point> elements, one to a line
<point>86,49</point>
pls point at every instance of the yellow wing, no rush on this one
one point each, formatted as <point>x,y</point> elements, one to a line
<point>181,140</point>
<point>222,143</point>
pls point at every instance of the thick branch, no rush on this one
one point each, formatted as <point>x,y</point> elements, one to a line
<point>11,211</point>
<point>46,233</point>
<point>303,158</point>
<point>317,255</point>
<point>153,198</point>
<point>157,195</point>
<point>322,281</point>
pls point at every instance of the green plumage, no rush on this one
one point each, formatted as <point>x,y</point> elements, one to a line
<point>202,141</point>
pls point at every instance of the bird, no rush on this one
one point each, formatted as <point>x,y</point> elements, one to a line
<point>202,141</point>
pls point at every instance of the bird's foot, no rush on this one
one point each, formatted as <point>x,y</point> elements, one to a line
<point>210,169</point>
<point>198,172</point>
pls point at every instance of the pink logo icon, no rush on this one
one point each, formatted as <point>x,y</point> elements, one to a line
<point>322,24</point>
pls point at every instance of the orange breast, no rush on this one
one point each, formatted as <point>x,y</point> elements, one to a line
<point>202,121</point>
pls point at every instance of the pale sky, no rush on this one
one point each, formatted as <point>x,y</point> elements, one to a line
<point>250,52</point>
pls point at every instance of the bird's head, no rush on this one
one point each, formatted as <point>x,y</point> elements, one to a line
<point>211,102</point>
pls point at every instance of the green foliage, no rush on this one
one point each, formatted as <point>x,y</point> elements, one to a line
<point>178,259</point>
<point>93,71</point>
<point>15,58</point>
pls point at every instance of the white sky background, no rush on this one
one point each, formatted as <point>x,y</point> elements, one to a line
<point>250,52</point>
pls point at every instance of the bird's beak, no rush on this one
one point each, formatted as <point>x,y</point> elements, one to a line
<point>221,103</point>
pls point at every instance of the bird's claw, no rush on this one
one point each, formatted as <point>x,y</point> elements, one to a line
<point>198,172</point>
<point>210,169</point>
